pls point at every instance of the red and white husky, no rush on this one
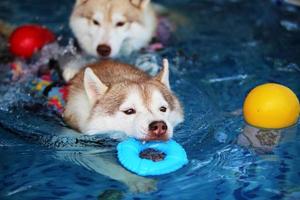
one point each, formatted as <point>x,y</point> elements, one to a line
<point>112,96</point>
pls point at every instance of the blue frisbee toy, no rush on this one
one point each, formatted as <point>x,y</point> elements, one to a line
<point>130,149</point>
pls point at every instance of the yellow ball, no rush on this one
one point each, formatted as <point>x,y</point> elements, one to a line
<point>271,106</point>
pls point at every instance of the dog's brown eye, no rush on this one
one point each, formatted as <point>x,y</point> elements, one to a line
<point>129,111</point>
<point>96,22</point>
<point>163,109</point>
<point>119,24</point>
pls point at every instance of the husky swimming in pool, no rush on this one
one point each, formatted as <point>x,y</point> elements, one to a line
<point>112,96</point>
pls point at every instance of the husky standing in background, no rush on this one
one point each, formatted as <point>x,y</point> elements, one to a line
<point>107,28</point>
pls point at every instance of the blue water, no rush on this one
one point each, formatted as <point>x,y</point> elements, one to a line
<point>225,48</point>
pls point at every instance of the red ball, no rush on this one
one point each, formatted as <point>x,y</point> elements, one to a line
<point>28,39</point>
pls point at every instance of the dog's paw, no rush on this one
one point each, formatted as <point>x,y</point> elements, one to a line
<point>72,67</point>
<point>69,73</point>
<point>142,185</point>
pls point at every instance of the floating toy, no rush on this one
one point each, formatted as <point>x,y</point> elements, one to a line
<point>173,156</point>
<point>27,39</point>
<point>271,106</point>
<point>55,93</point>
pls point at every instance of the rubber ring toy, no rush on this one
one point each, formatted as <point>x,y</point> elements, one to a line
<point>128,155</point>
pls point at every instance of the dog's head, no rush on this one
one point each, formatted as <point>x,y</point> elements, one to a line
<point>146,110</point>
<point>103,26</point>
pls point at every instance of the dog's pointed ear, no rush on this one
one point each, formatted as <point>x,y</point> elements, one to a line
<point>144,4</point>
<point>141,4</point>
<point>80,2</point>
<point>163,75</point>
<point>93,85</point>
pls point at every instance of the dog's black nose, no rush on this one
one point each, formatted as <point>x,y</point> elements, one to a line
<point>103,50</point>
<point>158,128</point>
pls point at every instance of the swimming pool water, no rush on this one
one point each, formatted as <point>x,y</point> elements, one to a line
<point>225,48</point>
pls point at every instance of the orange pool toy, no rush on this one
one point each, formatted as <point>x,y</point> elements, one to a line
<point>271,106</point>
